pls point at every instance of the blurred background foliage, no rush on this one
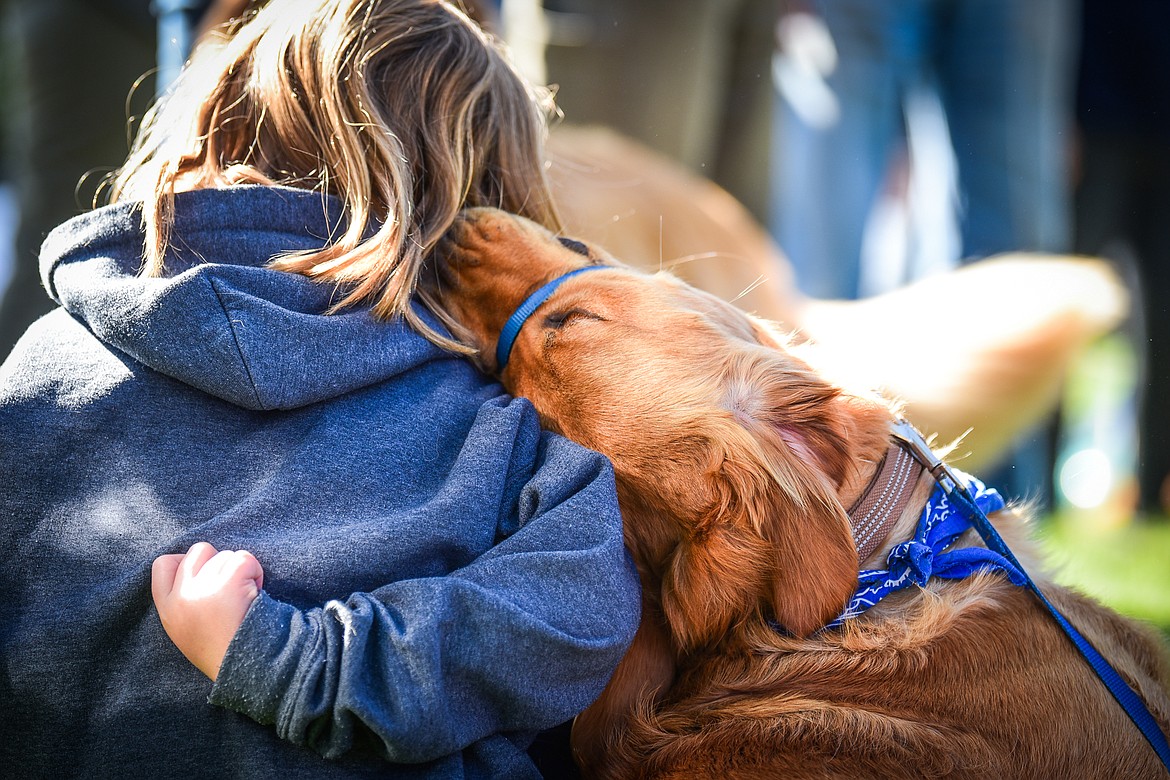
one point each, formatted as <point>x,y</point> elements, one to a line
<point>1126,566</point>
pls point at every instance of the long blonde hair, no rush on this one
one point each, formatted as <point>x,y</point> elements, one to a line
<point>403,109</point>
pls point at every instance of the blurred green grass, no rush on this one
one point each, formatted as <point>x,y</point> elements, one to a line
<point>1126,566</point>
<point>1094,541</point>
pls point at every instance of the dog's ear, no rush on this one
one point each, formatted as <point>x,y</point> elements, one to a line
<point>777,539</point>
<point>719,571</point>
<point>776,542</point>
<point>812,436</point>
<point>814,570</point>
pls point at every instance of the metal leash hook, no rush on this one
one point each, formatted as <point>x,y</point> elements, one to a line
<point>916,445</point>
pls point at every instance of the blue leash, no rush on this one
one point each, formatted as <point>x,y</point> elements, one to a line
<point>959,494</point>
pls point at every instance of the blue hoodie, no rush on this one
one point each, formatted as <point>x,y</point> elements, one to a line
<point>442,578</point>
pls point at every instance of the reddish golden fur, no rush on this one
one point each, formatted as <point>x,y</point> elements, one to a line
<point>734,462</point>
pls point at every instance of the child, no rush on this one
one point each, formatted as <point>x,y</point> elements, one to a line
<point>242,357</point>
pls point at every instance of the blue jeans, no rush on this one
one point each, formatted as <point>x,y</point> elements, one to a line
<point>1002,70</point>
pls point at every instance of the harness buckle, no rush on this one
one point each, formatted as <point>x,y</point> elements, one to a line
<point>914,443</point>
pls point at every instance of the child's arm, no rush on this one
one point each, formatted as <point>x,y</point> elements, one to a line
<point>518,639</point>
<point>202,598</point>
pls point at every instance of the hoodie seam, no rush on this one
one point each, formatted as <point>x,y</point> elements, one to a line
<point>236,340</point>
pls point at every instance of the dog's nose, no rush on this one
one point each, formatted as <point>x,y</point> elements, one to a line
<point>458,226</point>
<point>454,242</point>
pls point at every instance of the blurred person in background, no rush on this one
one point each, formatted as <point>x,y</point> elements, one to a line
<point>863,87</point>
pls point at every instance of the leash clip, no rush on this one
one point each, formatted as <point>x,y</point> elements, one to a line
<point>916,445</point>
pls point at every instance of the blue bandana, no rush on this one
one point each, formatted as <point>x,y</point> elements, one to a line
<point>926,555</point>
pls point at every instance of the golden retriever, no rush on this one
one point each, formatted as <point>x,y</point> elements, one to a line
<point>736,463</point>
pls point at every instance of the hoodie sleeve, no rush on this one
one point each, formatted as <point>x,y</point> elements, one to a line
<point>521,639</point>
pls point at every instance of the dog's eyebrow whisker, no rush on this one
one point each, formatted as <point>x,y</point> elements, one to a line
<point>571,163</point>
<point>691,258</point>
<point>597,174</point>
<point>758,281</point>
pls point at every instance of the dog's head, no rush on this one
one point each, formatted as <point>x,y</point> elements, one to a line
<point>732,456</point>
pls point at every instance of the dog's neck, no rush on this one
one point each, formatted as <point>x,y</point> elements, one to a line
<point>884,501</point>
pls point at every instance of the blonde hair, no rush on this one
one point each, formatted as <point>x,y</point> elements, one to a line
<point>405,110</point>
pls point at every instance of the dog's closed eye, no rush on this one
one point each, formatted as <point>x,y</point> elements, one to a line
<point>558,319</point>
<point>574,245</point>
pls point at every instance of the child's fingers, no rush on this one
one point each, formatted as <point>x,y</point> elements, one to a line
<point>250,568</point>
<point>238,566</point>
<point>162,576</point>
<point>198,555</point>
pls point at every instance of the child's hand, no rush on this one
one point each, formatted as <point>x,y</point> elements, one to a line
<point>202,598</point>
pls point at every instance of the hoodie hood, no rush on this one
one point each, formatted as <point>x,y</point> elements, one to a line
<point>220,320</point>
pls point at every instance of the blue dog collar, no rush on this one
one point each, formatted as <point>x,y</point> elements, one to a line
<point>524,311</point>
